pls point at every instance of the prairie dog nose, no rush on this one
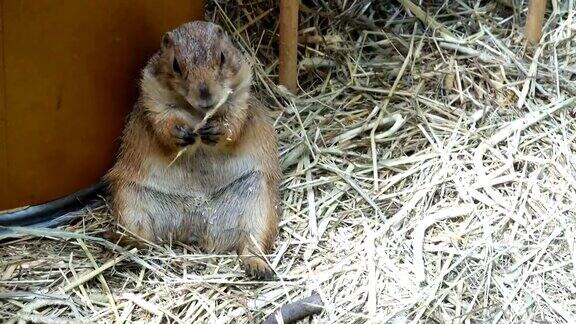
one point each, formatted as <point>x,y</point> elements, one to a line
<point>204,92</point>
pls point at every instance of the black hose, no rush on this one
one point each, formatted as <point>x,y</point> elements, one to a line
<point>54,213</point>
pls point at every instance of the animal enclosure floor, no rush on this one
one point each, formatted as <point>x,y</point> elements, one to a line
<point>429,177</point>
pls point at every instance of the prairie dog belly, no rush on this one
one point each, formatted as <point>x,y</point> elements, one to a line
<point>211,170</point>
<point>201,199</point>
<point>199,173</point>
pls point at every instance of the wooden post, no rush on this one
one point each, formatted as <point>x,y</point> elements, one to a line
<point>536,10</point>
<point>288,43</point>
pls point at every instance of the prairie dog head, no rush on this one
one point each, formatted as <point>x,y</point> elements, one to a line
<point>198,62</point>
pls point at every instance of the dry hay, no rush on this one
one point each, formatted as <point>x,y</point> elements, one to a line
<point>430,177</point>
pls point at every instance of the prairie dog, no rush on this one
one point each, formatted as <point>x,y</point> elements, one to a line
<point>223,191</point>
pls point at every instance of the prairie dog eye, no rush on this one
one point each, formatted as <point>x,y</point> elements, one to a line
<point>176,67</point>
<point>222,59</point>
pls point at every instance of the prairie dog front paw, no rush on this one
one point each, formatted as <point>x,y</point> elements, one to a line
<point>183,135</point>
<point>210,133</point>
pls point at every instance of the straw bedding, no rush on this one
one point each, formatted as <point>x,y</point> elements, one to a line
<point>429,178</point>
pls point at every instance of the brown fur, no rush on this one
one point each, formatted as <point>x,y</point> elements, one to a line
<point>223,191</point>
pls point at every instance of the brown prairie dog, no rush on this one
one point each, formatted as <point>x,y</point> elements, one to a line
<point>223,191</point>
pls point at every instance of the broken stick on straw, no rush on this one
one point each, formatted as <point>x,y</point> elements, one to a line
<point>209,114</point>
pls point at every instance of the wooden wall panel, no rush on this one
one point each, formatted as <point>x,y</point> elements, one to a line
<point>69,75</point>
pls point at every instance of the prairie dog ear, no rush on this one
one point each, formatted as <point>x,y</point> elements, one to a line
<point>167,53</point>
<point>167,42</point>
<point>219,30</point>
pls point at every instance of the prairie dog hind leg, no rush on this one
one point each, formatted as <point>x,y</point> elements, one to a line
<point>243,214</point>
